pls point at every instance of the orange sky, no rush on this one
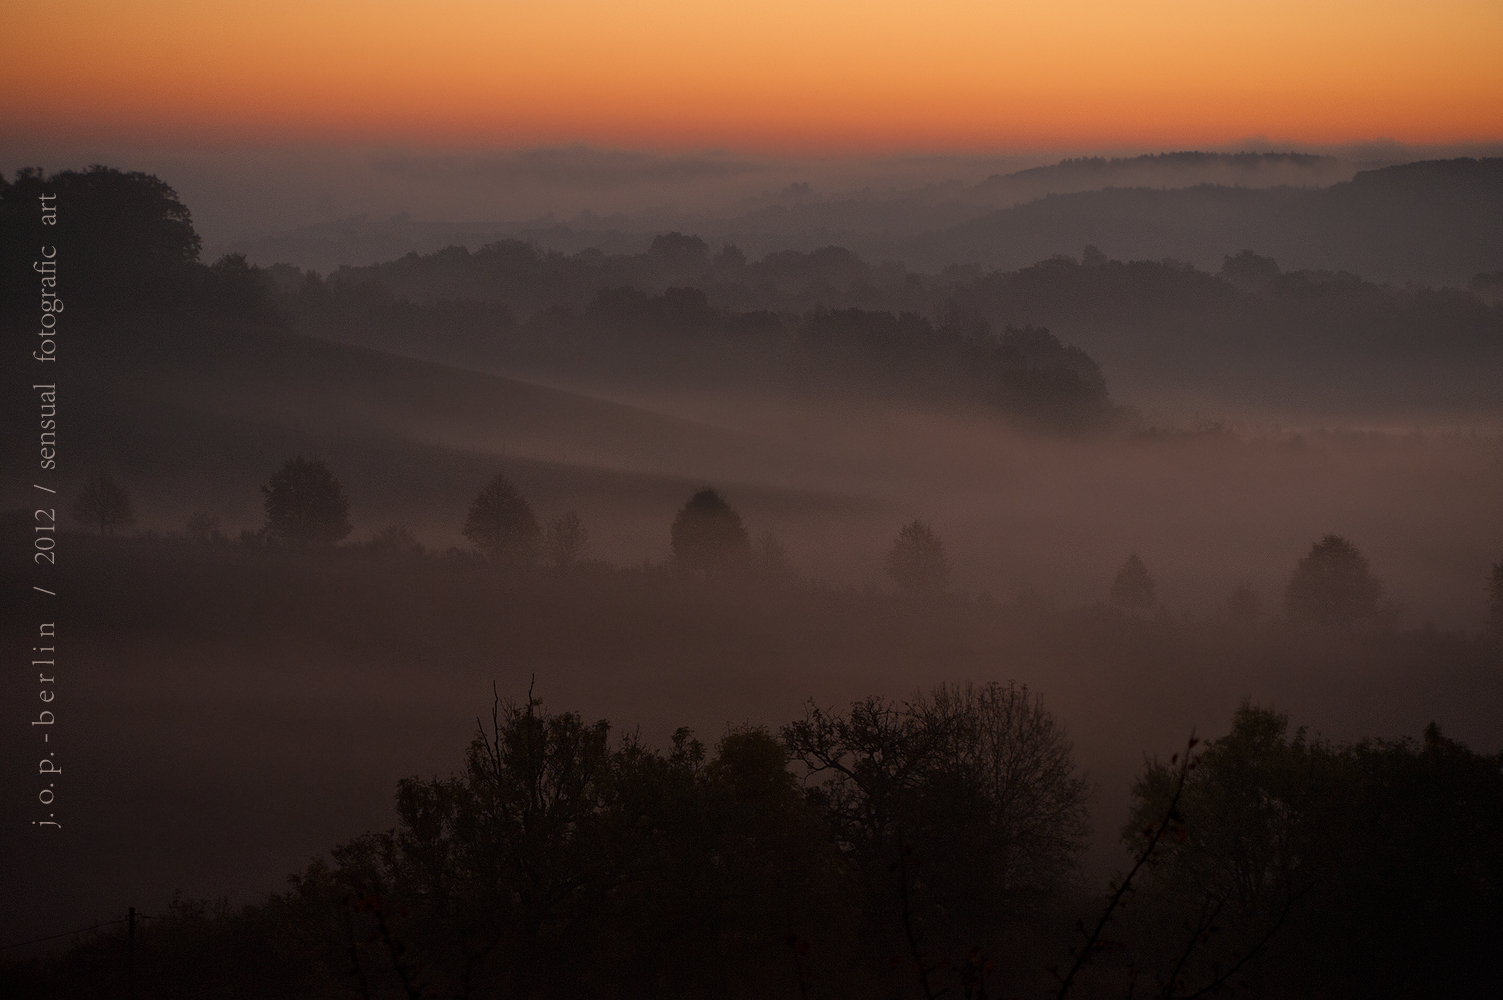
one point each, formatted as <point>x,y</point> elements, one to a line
<point>775,75</point>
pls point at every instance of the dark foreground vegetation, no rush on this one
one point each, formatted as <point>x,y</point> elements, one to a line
<point>911,846</point>
<point>921,848</point>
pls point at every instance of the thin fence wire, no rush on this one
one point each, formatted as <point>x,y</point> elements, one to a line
<point>81,930</point>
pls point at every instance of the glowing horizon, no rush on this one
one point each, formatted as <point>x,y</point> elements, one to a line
<point>883,77</point>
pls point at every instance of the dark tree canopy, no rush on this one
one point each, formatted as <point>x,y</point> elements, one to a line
<point>707,534</point>
<point>1332,586</point>
<point>104,502</point>
<point>679,254</point>
<point>1250,272</point>
<point>1133,587</point>
<point>916,562</point>
<point>976,786</point>
<point>305,504</point>
<point>128,235</point>
<point>671,309</point>
<point>562,863</point>
<point>128,244</point>
<point>1385,858</point>
<point>502,525</point>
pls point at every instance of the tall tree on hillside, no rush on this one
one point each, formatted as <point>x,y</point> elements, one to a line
<point>104,502</point>
<point>956,809</point>
<point>128,237</point>
<point>1376,864</point>
<point>502,525</point>
<point>305,504</point>
<point>1133,587</point>
<point>1332,586</point>
<point>916,562</point>
<point>707,534</point>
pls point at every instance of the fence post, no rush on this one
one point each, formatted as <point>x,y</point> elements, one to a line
<point>130,950</point>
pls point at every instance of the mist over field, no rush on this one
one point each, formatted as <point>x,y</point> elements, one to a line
<point>326,206</point>
<point>1097,427</point>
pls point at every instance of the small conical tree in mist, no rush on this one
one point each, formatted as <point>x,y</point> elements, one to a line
<point>305,504</point>
<point>1332,586</point>
<point>707,534</point>
<point>916,562</point>
<point>1133,587</point>
<point>502,525</point>
<point>104,502</point>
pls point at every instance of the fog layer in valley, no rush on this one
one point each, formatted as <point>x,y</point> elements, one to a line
<point>1118,461</point>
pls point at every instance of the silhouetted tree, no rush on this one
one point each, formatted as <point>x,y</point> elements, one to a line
<point>130,240</point>
<point>1249,272</point>
<point>678,255</point>
<point>1133,587</point>
<point>237,286</point>
<point>707,534</point>
<point>1237,857</point>
<point>729,262</point>
<point>104,502</point>
<point>1003,741</point>
<point>958,811</point>
<point>916,562</point>
<point>502,525</point>
<point>305,504</point>
<point>567,540</point>
<point>1332,586</point>
<point>1377,864</point>
<point>556,863</point>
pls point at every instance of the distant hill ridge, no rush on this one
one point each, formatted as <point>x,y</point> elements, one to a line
<point>1433,222</point>
<point>1197,206</point>
<point>1176,169</point>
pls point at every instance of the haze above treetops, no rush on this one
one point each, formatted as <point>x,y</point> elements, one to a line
<point>275,116</point>
<point>777,76</point>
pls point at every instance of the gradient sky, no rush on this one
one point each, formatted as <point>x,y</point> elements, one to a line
<point>776,75</point>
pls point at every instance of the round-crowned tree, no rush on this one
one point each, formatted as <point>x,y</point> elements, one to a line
<point>502,525</point>
<point>1332,586</point>
<point>707,534</point>
<point>100,210</point>
<point>978,784</point>
<point>305,504</point>
<point>916,562</point>
<point>1133,587</point>
<point>104,502</point>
